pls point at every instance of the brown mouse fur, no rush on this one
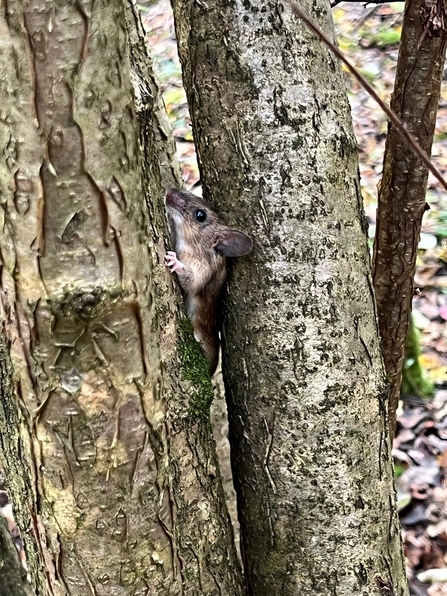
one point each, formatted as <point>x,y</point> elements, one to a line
<point>201,244</point>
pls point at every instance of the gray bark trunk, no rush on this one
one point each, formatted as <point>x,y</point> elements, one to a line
<point>13,579</point>
<point>301,357</point>
<point>120,489</point>
<point>12,575</point>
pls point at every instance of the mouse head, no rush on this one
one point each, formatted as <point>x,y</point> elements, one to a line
<point>195,223</point>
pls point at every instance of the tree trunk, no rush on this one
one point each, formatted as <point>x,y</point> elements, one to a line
<point>12,574</point>
<point>120,490</point>
<point>301,356</point>
<point>402,190</point>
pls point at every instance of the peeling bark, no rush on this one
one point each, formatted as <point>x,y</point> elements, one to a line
<point>301,353</point>
<point>402,190</point>
<point>120,490</point>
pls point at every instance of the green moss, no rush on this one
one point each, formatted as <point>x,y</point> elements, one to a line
<point>195,369</point>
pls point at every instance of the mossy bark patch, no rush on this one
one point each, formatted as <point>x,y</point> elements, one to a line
<point>195,370</point>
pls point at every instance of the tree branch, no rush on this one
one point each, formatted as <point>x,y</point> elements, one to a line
<point>364,83</point>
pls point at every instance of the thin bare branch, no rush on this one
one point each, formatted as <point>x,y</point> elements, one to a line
<point>364,83</point>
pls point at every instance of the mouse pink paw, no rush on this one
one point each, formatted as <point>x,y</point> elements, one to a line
<point>172,263</point>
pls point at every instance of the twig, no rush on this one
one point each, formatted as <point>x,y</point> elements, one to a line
<point>364,83</point>
<point>365,2</point>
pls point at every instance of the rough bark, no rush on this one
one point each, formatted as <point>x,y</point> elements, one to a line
<point>120,490</point>
<point>12,575</point>
<point>301,357</point>
<point>11,453</point>
<point>402,190</point>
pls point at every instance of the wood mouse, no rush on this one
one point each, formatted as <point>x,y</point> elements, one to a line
<point>201,244</point>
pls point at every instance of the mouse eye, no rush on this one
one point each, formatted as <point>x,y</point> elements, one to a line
<point>200,215</point>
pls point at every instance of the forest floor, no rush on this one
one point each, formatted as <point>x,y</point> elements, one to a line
<point>369,36</point>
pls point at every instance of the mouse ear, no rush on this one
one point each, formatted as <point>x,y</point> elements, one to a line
<point>232,243</point>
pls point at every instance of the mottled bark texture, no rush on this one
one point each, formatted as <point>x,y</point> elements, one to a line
<point>12,575</point>
<point>11,450</point>
<point>402,190</point>
<point>119,489</point>
<point>301,356</point>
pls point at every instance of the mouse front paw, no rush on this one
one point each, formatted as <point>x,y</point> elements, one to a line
<point>172,263</point>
